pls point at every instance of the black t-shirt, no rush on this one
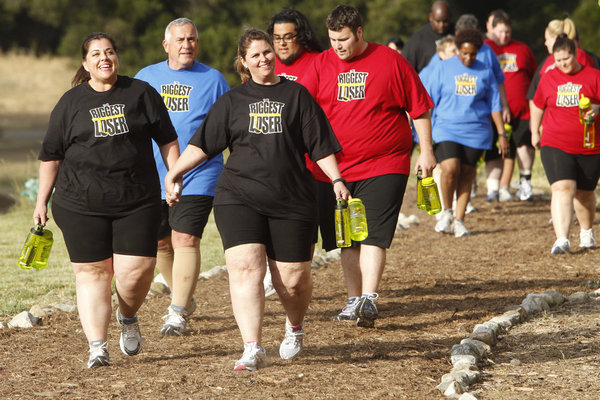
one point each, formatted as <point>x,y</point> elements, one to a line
<point>420,47</point>
<point>104,140</point>
<point>268,129</point>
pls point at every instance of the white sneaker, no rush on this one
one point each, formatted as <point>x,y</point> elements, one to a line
<point>443,224</point>
<point>348,313</point>
<point>268,283</point>
<point>504,194</point>
<point>525,190</point>
<point>470,208</point>
<point>459,229</point>
<point>561,246</point>
<point>131,338</point>
<point>254,357</point>
<point>586,238</point>
<point>175,323</point>
<point>492,196</point>
<point>292,342</point>
<point>98,354</point>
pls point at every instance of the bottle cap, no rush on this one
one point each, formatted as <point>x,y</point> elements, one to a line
<point>428,181</point>
<point>584,102</point>
<point>354,200</point>
<point>38,230</point>
<point>340,203</point>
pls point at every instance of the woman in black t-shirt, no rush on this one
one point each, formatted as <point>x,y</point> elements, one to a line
<point>265,204</point>
<point>97,154</point>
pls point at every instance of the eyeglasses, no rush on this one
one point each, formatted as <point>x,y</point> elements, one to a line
<point>286,38</point>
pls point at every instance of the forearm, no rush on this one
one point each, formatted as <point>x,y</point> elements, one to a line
<point>190,158</point>
<point>170,153</point>
<point>497,119</point>
<point>329,166</point>
<point>426,161</point>
<point>48,173</point>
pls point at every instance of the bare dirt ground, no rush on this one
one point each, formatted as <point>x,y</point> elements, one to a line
<point>435,289</point>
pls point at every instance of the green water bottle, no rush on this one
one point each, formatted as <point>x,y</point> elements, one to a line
<point>358,220</point>
<point>36,249</point>
<point>342,224</point>
<point>431,196</point>
<point>420,200</point>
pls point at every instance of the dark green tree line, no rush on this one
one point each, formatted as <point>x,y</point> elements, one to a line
<point>58,26</point>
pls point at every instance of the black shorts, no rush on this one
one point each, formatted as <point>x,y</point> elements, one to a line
<point>382,197</point>
<point>286,240</point>
<point>521,136</point>
<point>91,238</point>
<point>584,169</point>
<point>189,216</point>
<point>467,155</point>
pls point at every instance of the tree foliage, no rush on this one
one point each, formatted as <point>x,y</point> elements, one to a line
<point>59,26</point>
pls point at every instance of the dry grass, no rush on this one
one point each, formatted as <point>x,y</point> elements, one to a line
<point>31,86</point>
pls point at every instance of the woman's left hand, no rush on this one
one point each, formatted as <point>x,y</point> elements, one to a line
<point>341,191</point>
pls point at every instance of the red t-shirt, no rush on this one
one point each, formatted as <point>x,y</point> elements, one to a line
<point>295,70</point>
<point>583,58</point>
<point>558,95</point>
<point>519,65</point>
<point>366,100</point>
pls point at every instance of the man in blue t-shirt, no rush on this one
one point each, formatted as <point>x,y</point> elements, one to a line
<point>189,89</point>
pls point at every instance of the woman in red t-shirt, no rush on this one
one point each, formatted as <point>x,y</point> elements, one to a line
<point>572,168</point>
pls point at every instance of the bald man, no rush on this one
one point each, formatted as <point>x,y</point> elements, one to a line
<point>420,47</point>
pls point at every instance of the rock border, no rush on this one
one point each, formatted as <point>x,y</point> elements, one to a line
<point>468,354</point>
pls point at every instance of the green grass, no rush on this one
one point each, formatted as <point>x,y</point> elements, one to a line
<point>20,289</point>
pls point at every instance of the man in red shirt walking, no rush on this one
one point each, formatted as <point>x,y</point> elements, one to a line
<point>366,90</point>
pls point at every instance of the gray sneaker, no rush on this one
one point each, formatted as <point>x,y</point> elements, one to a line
<point>131,337</point>
<point>98,354</point>
<point>367,310</point>
<point>348,313</point>
<point>561,246</point>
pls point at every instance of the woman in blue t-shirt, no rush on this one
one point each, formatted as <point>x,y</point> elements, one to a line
<point>465,94</point>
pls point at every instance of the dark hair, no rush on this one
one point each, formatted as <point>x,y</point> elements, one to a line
<point>472,36</point>
<point>563,42</point>
<point>82,75</point>
<point>466,21</point>
<point>397,41</point>
<point>249,36</point>
<point>306,35</point>
<point>500,17</point>
<point>343,16</point>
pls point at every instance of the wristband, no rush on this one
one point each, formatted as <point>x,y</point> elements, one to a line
<point>503,135</point>
<point>333,182</point>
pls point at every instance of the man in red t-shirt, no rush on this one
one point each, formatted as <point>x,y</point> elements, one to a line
<point>295,43</point>
<point>518,65</point>
<point>366,90</point>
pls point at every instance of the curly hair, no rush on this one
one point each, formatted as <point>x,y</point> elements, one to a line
<point>472,36</point>
<point>344,16</point>
<point>306,35</point>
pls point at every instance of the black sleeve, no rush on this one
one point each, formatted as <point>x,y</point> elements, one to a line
<point>162,130</point>
<point>534,83</point>
<point>317,134</point>
<point>213,135</point>
<point>54,145</point>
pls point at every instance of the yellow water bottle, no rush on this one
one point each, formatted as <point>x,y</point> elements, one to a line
<point>342,224</point>
<point>585,105</point>
<point>420,200</point>
<point>36,250</point>
<point>358,220</point>
<point>431,196</point>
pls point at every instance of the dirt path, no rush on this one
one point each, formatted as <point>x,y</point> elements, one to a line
<point>434,290</point>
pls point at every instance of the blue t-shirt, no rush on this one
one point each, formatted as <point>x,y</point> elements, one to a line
<point>188,94</point>
<point>487,56</point>
<point>464,98</point>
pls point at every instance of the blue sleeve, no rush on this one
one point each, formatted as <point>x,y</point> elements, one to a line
<point>494,94</point>
<point>488,57</point>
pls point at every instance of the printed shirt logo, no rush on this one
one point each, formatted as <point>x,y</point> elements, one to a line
<point>109,120</point>
<point>351,85</point>
<point>289,77</point>
<point>466,85</point>
<point>567,95</point>
<point>176,96</point>
<point>508,62</point>
<point>265,117</point>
